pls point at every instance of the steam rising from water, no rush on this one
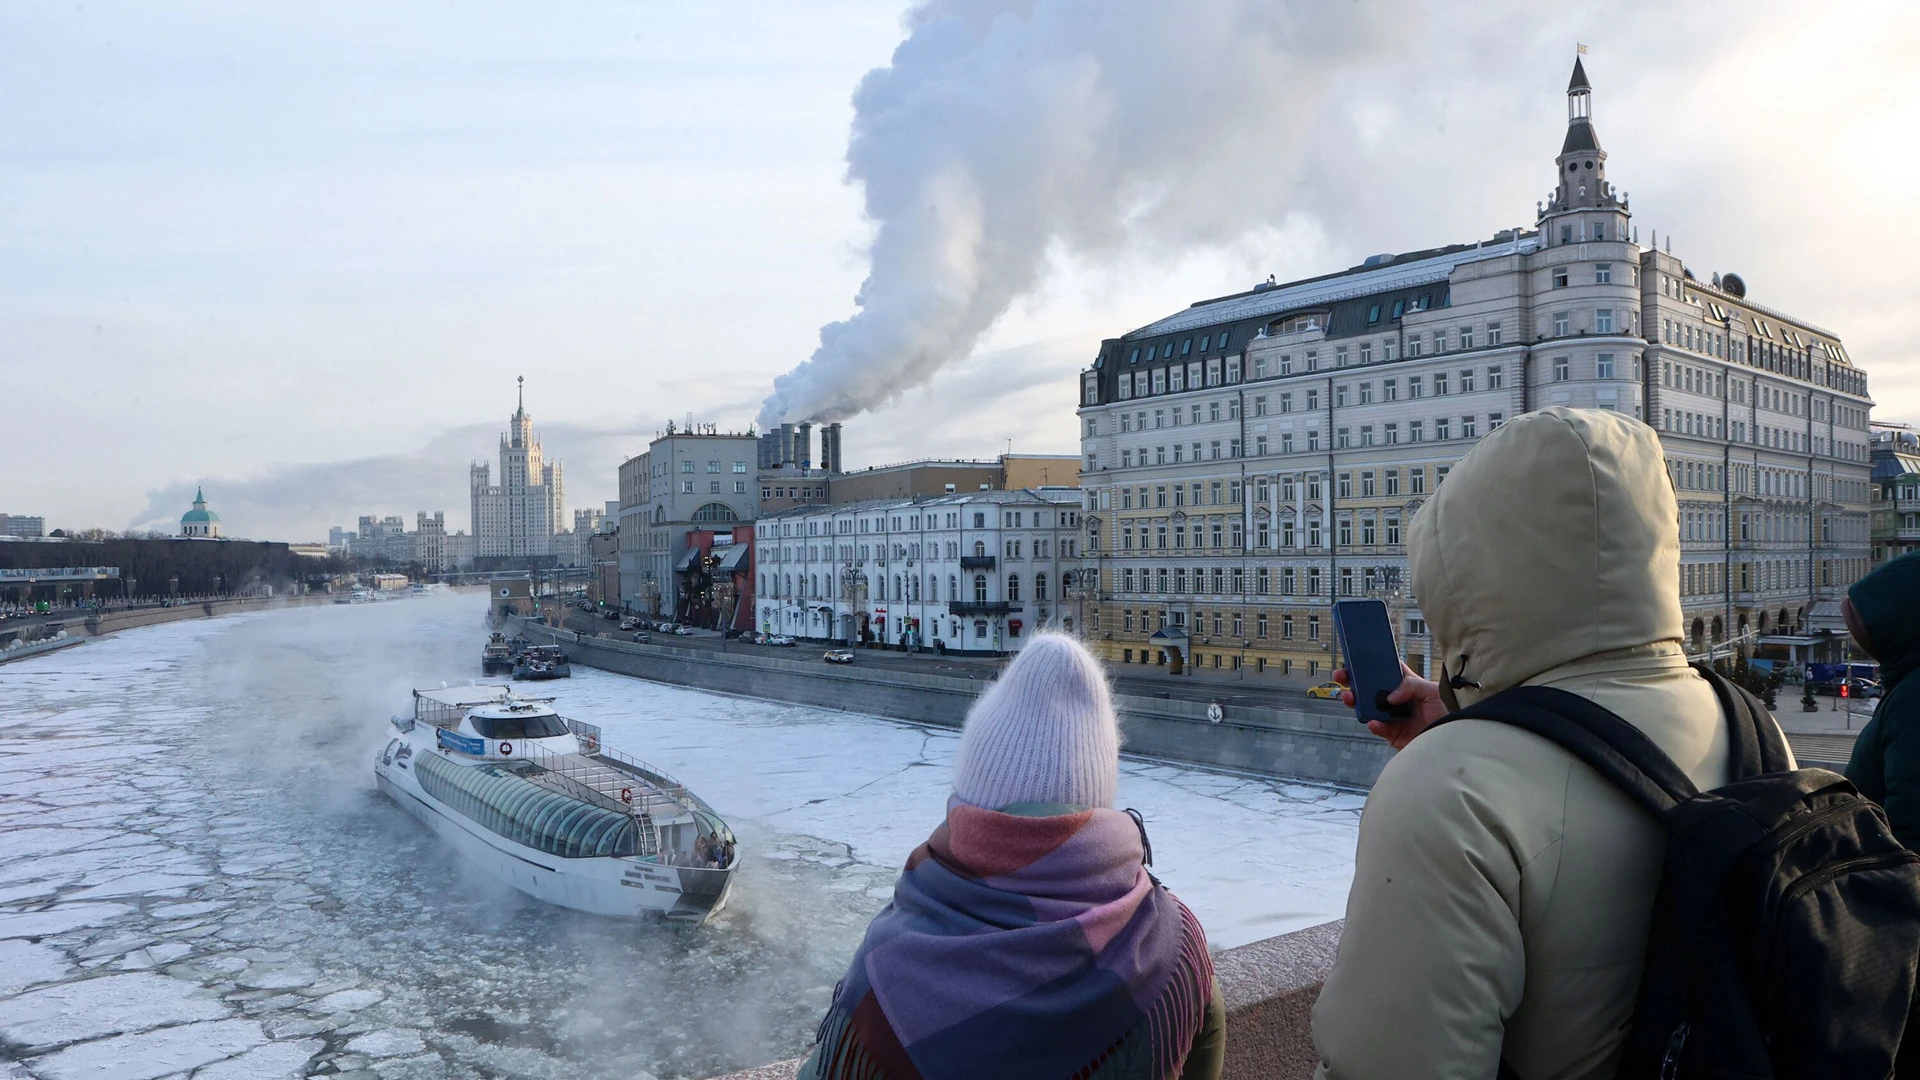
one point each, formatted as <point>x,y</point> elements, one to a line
<point>1005,127</point>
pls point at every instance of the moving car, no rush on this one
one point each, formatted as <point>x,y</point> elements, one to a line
<point>629,624</point>
<point>642,637</point>
<point>1328,690</point>
<point>838,656</point>
<point>683,631</point>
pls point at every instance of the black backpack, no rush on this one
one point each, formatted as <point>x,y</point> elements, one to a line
<point>1786,930</point>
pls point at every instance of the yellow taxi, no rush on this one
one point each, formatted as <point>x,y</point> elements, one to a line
<point>1329,690</point>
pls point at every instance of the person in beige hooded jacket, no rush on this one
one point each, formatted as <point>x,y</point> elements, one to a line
<point>1502,888</point>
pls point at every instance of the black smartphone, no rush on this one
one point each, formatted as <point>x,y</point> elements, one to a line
<point>1372,659</point>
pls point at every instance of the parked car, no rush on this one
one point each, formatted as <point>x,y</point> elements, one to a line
<point>630,624</point>
<point>837,656</point>
<point>1328,690</point>
<point>683,631</point>
<point>1865,689</point>
<point>731,634</point>
<point>780,641</point>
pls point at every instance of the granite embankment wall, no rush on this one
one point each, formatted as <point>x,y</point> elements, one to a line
<point>1269,988</point>
<point>1271,741</point>
<point>79,623</point>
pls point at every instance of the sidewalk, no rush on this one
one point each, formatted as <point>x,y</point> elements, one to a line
<point>1824,738</point>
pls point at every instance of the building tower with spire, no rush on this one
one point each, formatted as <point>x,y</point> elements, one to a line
<point>200,522</point>
<point>517,518</point>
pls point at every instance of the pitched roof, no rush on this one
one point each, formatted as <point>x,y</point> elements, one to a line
<point>1579,81</point>
<point>1580,138</point>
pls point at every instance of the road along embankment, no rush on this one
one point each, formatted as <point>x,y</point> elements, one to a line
<point>1268,741</point>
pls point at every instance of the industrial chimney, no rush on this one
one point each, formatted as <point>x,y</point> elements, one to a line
<point>786,445</point>
<point>830,460</point>
<point>806,447</point>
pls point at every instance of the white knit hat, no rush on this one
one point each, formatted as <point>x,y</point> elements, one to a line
<point>1044,732</point>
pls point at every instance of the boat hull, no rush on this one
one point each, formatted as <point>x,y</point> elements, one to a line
<point>616,886</point>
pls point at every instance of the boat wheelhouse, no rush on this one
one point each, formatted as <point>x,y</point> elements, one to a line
<point>540,802</point>
<point>496,657</point>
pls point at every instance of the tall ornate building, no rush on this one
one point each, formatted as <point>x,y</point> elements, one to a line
<point>517,518</point>
<point>1251,458</point>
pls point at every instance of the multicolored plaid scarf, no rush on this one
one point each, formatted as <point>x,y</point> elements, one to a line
<point>1022,947</point>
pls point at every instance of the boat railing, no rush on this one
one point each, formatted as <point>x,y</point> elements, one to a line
<point>586,778</point>
<point>588,734</point>
<point>666,785</point>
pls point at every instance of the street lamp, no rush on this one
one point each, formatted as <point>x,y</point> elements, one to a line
<point>853,586</point>
<point>1083,585</point>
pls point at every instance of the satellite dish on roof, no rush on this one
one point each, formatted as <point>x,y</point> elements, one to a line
<point>1733,285</point>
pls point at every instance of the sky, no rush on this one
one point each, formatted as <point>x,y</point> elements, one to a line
<point>300,253</point>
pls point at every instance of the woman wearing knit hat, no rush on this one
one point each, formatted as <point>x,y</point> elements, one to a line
<point>1026,940</point>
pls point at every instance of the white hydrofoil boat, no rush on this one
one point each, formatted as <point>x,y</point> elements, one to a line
<point>537,800</point>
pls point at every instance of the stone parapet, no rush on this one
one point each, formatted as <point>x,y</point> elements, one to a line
<point>1269,989</point>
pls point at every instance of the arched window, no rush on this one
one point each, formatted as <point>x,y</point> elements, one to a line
<point>933,588</point>
<point>953,587</point>
<point>979,547</point>
<point>1013,586</point>
<point>715,512</point>
<point>899,589</point>
<point>979,588</point>
<point>763,581</point>
<point>789,591</point>
<point>1039,586</point>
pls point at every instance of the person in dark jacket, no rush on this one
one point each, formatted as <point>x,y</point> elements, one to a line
<point>1883,614</point>
<point>1026,940</point>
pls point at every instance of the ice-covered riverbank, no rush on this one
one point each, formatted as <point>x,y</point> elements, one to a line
<point>197,878</point>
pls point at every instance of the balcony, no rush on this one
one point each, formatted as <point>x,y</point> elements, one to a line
<point>976,562</point>
<point>981,607</point>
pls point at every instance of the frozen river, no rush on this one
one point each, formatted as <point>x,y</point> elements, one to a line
<point>198,879</point>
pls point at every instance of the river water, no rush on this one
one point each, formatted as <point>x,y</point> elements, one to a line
<point>199,880</point>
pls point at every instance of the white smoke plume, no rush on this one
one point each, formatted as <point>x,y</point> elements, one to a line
<point>1004,128</point>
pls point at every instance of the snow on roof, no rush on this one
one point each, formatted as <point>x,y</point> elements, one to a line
<point>1336,287</point>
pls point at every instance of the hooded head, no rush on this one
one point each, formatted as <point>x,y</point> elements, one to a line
<point>1554,539</point>
<point>1886,604</point>
<point>1045,732</point>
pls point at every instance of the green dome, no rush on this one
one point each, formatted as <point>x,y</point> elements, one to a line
<point>199,514</point>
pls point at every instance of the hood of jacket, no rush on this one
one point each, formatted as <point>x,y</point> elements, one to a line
<point>1888,604</point>
<point>1555,539</point>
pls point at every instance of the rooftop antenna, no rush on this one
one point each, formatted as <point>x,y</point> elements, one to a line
<point>523,393</point>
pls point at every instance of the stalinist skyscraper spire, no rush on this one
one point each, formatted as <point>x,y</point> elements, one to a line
<point>517,518</point>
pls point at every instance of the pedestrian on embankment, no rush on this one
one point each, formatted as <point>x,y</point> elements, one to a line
<point>1502,888</point>
<point>1026,940</point>
<point>1882,611</point>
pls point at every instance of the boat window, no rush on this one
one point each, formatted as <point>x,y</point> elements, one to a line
<point>537,726</point>
<point>508,804</point>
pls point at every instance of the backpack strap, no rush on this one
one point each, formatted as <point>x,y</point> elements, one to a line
<point>1754,738</point>
<point>1614,748</point>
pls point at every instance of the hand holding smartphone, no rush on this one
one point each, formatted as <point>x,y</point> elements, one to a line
<point>1372,658</point>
